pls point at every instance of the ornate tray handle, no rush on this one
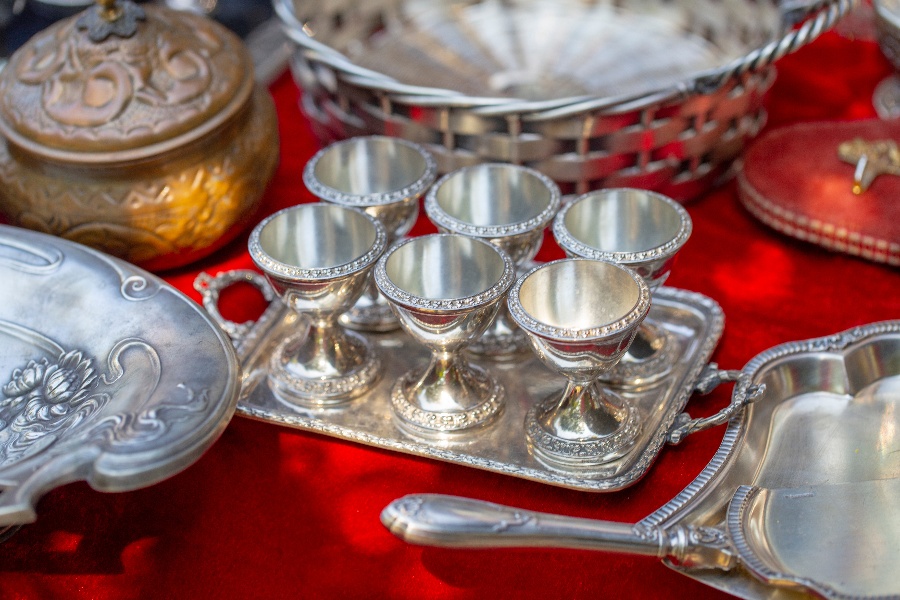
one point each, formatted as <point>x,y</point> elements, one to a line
<point>744,393</point>
<point>210,287</point>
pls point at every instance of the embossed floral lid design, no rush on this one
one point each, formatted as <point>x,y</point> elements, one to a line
<point>122,82</point>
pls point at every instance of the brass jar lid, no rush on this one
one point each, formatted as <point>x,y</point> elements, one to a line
<point>122,82</point>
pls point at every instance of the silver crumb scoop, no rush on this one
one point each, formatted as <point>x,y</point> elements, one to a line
<point>800,498</point>
<point>795,537</point>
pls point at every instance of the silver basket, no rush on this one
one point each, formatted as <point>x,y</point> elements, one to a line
<point>594,93</point>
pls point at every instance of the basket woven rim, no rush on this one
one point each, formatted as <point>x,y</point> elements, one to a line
<point>889,10</point>
<point>815,19</point>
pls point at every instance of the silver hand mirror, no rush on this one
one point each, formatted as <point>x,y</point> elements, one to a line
<point>802,493</point>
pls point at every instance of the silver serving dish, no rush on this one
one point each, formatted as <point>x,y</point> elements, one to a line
<point>800,498</point>
<point>107,373</point>
<point>694,322</point>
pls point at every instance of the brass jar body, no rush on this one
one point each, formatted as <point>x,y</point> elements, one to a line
<point>139,132</point>
<point>159,213</point>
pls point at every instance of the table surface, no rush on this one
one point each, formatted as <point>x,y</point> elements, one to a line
<point>272,512</point>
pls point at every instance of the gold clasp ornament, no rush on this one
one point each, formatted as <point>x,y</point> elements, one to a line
<point>109,10</point>
<point>872,158</point>
<point>111,17</point>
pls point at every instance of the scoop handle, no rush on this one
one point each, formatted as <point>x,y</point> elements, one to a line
<point>437,520</point>
<point>451,521</point>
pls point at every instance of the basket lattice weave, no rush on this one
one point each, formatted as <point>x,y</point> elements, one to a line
<point>678,139</point>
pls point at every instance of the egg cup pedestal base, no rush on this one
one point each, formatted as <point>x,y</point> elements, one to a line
<point>331,374</point>
<point>608,426</point>
<point>485,402</point>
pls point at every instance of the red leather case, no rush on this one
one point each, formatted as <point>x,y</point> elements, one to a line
<point>793,180</point>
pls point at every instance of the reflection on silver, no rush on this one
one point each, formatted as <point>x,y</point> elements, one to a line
<point>385,177</point>
<point>504,204</point>
<point>317,258</point>
<point>694,322</point>
<point>580,335</point>
<point>802,493</point>
<point>886,98</point>
<point>642,230</point>
<point>445,289</point>
<point>887,21</point>
<point>132,391</point>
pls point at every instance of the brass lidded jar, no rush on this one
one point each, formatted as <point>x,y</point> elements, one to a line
<point>137,130</point>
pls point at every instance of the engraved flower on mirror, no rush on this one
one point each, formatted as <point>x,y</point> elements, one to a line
<point>44,398</point>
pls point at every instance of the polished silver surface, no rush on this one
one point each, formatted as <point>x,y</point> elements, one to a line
<point>270,50</point>
<point>504,204</point>
<point>317,258</point>
<point>640,229</point>
<point>109,375</point>
<point>580,316</point>
<point>593,93</point>
<point>800,498</point>
<point>886,98</point>
<point>694,321</point>
<point>887,23</point>
<point>384,177</point>
<point>445,290</point>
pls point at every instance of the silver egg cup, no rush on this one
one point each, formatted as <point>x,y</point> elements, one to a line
<point>507,205</point>
<point>317,258</point>
<point>642,230</point>
<point>385,177</point>
<point>445,290</point>
<point>580,316</point>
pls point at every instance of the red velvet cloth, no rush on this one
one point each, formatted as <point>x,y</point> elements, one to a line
<point>270,512</point>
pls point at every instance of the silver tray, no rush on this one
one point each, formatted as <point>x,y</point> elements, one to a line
<point>693,322</point>
<point>107,373</point>
<point>800,498</point>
